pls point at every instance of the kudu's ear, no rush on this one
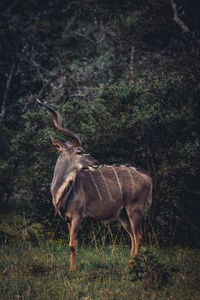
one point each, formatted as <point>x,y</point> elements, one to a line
<point>60,146</point>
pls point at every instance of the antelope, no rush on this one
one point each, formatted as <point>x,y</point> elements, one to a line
<point>81,188</point>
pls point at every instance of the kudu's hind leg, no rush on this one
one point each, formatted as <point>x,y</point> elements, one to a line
<point>135,216</point>
<point>127,226</point>
<point>73,231</point>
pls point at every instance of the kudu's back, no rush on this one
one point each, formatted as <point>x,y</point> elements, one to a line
<point>109,189</point>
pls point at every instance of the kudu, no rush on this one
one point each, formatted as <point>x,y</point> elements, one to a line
<point>82,188</point>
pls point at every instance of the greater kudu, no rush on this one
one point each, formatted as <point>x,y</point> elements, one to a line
<point>82,188</point>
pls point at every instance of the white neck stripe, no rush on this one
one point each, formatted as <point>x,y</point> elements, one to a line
<point>63,186</point>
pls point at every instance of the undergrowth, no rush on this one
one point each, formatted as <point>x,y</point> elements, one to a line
<point>41,271</point>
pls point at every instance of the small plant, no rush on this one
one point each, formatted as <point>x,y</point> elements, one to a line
<point>150,271</point>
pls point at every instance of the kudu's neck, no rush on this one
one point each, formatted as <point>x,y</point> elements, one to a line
<point>60,188</point>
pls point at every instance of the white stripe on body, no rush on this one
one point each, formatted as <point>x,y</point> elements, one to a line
<point>131,178</point>
<point>130,175</point>
<point>120,187</point>
<point>105,184</point>
<point>96,186</point>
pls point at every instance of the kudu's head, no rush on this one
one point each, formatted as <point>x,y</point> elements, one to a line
<point>72,156</point>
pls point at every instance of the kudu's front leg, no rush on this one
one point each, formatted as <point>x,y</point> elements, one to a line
<point>73,232</point>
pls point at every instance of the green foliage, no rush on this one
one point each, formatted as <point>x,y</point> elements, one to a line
<point>147,269</point>
<point>126,123</point>
<point>18,227</point>
<point>149,127</point>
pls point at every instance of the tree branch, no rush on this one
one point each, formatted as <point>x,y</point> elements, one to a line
<point>5,95</point>
<point>177,20</point>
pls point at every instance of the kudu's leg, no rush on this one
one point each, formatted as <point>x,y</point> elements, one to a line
<point>135,216</point>
<point>69,227</point>
<point>73,231</point>
<point>127,226</point>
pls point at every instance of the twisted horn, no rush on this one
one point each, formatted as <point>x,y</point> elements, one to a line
<point>57,120</point>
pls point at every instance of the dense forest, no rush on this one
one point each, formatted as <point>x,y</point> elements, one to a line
<point>125,77</point>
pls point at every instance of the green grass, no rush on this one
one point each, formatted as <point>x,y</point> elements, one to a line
<point>41,271</point>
